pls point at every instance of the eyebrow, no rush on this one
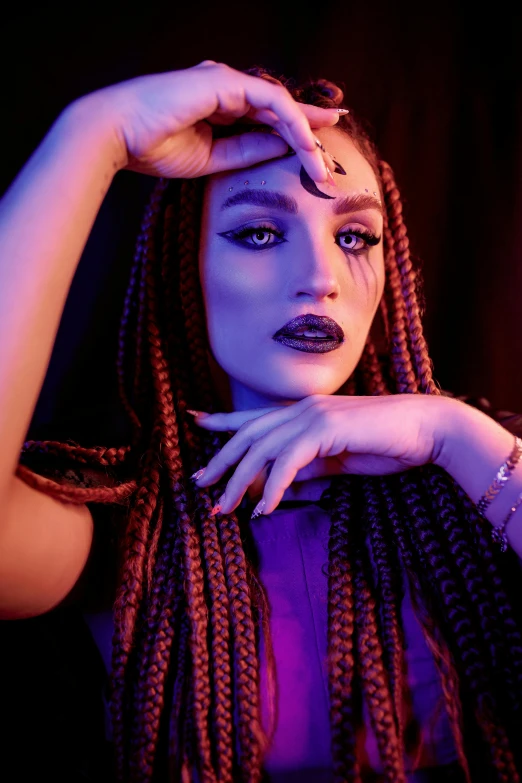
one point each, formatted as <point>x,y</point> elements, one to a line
<point>275,200</point>
<point>262,198</point>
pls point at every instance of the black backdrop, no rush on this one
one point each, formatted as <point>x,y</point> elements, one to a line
<point>441,88</point>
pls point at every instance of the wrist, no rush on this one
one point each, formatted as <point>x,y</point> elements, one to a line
<point>94,118</point>
<point>473,447</point>
<point>465,437</point>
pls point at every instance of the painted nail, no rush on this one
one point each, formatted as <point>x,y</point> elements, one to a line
<point>215,510</point>
<point>330,176</point>
<point>197,475</point>
<point>258,509</point>
<point>338,168</point>
<point>319,145</point>
<point>343,111</point>
<point>197,413</point>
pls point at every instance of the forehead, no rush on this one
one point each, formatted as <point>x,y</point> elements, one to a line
<point>283,174</point>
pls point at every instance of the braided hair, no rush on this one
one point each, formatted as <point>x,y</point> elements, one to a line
<point>189,610</point>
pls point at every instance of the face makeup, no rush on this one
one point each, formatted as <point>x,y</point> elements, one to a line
<point>311,334</point>
<point>291,280</point>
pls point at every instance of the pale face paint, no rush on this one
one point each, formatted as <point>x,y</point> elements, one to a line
<point>251,291</point>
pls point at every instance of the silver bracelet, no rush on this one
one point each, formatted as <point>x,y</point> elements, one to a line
<point>498,533</point>
<point>503,475</point>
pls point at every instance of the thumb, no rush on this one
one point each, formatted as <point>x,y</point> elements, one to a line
<point>242,151</point>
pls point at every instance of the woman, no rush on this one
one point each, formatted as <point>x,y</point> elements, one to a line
<point>318,640</point>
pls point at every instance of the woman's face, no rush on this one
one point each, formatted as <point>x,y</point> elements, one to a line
<point>273,250</point>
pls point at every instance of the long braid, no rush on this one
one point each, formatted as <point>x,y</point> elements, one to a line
<point>127,346</point>
<point>246,663</point>
<point>389,586</point>
<point>215,573</point>
<point>341,631</point>
<point>401,366</point>
<point>469,563</point>
<point>375,683</point>
<point>415,566</point>
<point>371,370</point>
<point>490,569</point>
<point>191,543</point>
<point>468,645</point>
<point>409,311</point>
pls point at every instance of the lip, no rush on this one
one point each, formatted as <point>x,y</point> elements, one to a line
<point>287,334</point>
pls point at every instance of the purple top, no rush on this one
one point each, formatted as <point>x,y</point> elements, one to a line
<point>292,547</point>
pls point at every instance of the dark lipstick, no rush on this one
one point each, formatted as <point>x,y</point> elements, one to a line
<point>328,337</point>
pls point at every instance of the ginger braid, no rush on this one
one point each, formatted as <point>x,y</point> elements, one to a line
<point>490,568</point>
<point>415,566</point>
<point>191,554</point>
<point>245,663</point>
<point>375,683</point>
<point>469,647</point>
<point>136,541</point>
<point>218,595</point>
<point>371,370</point>
<point>470,564</point>
<point>389,585</point>
<point>341,630</point>
<point>407,275</point>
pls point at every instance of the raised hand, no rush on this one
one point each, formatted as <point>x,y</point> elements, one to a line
<point>165,122</point>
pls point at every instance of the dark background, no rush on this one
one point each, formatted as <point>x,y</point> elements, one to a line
<point>440,86</point>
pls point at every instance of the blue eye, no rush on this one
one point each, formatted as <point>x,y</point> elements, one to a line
<point>357,240</point>
<point>255,237</point>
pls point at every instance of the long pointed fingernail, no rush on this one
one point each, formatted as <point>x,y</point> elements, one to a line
<point>197,475</point>
<point>330,176</point>
<point>343,111</point>
<point>197,413</point>
<point>258,509</point>
<point>215,510</point>
<point>319,145</point>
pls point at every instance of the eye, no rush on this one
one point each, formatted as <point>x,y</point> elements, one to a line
<point>357,240</point>
<point>261,236</point>
<point>255,237</point>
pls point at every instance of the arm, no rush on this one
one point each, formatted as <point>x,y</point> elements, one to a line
<point>159,125</point>
<point>45,220</point>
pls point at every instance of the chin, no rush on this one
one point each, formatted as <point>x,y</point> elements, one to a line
<point>298,383</point>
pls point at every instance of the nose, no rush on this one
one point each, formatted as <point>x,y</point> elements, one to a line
<point>315,272</point>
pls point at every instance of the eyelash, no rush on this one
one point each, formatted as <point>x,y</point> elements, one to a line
<point>368,237</point>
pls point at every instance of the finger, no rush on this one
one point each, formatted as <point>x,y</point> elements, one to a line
<point>257,458</point>
<point>242,151</point>
<point>236,448</point>
<point>316,116</point>
<point>293,458</point>
<point>264,95</point>
<point>226,422</point>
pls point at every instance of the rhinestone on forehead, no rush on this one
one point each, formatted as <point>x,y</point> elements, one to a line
<point>247,182</point>
<point>263,181</point>
<point>231,189</point>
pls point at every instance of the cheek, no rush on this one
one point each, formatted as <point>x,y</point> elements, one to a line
<point>234,295</point>
<point>365,283</point>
